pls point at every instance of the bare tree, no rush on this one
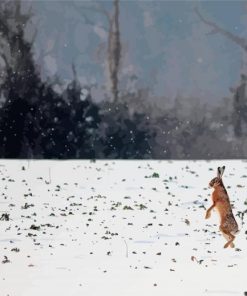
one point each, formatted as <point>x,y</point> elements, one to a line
<point>15,51</point>
<point>113,39</point>
<point>114,49</point>
<point>240,111</point>
<point>242,42</point>
<point>20,82</point>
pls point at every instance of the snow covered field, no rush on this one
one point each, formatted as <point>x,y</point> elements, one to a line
<point>121,228</point>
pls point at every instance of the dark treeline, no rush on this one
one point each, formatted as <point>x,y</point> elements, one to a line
<point>38,122</point>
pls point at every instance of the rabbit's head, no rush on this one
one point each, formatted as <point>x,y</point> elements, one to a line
<point>217,181</point>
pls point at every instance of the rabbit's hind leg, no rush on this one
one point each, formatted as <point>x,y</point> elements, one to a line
<point>230,243</point>
<point>229,237</point>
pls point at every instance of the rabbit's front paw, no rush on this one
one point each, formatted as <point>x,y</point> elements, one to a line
<point>207,216</point>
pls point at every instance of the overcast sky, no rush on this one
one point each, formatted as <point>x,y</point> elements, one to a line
<point>164,44</point>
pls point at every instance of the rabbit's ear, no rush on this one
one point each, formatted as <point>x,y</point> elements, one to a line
<point>218,172</point>
<point>222,169</point>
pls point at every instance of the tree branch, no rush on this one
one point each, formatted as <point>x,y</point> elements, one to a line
<point>99,9</point>
<point>21,18</point>
<point>242,42</point>
<point>3,56</point>
<point>34,36</point>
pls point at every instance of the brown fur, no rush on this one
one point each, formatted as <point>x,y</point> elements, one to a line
<point>221,201</point>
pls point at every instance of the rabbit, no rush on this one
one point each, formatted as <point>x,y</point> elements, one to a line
<point>228,225</point>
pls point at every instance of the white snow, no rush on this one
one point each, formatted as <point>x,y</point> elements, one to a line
<point>94,244</point>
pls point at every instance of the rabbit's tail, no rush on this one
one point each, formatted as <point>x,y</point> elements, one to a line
<point>238,231</point>
<point>235,232</point>
<point>240,226</point>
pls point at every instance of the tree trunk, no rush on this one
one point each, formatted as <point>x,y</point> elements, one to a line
<point>114,51</point>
